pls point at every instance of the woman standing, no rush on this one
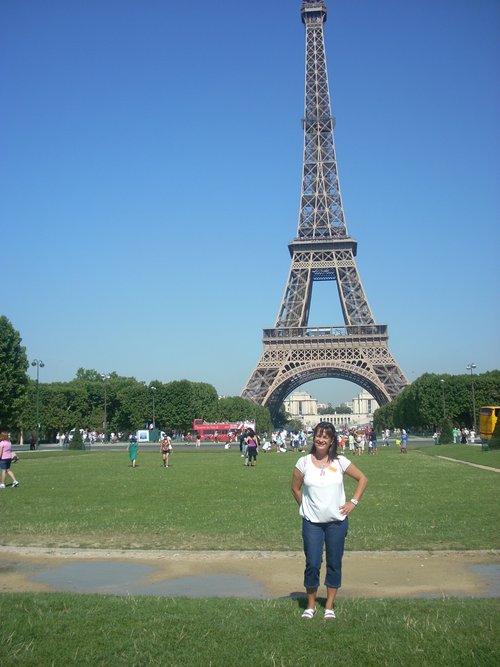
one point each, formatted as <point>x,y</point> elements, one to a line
<point>318,488</point>
<point>252,445</point>
<point>6,459</point>
<point>166,449</point>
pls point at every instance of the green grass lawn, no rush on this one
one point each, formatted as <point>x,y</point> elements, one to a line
<point>209,500</point>
<point>100,631</point>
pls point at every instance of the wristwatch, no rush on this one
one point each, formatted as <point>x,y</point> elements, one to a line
<point>354,501</point>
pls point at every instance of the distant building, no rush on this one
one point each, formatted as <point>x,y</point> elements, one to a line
<point>302,406</point>
<point>363,406</point>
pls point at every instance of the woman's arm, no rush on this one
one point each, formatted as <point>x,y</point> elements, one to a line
<point>362,481</point>
<point>297,481</point>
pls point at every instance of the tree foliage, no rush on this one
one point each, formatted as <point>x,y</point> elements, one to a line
<point>235,408</point>
<point>282,418</point>
<point>77,440</point>
<point>294,425</point>
<point>383,417</point>
<point>13,377</point>
<point>423,404</point>
<point>342,410</point>
<point>339,410</point>
<point>129,405</point>
<point>181,401</point>
<point>446,431</point>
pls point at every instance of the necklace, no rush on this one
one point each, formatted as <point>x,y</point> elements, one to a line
<point>323,466</point>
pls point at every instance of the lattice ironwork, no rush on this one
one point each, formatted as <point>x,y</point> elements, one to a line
<point>322,251</point>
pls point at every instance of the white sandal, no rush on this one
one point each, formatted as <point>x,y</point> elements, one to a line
<point>329,615</point>
<point>309,613</point>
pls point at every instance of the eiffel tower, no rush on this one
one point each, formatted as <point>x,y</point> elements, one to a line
<point>295,353</point>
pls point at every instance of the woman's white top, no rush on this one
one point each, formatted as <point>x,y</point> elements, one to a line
<point>322,490</point>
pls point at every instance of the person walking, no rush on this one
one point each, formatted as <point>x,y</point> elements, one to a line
<point>166,449</point>
<point>6,457</point>
<point>404,442</point>
<point>318,488</point>
<point>133,449</point>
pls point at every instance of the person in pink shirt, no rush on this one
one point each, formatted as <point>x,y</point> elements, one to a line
<point>6,459</point>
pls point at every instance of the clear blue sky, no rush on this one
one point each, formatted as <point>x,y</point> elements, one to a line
<point>150,165</point>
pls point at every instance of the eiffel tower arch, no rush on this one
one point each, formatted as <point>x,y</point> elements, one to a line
<point>295,353</point>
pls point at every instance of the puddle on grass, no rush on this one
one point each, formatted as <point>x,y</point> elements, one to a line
<point>125,579</point>
<point>491,573</point>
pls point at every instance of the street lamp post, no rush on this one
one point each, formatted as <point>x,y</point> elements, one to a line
<point>39,364</point>
<point>105,376</point>
<point>471,368</point>
<point>444,403</point>
<point>153,390</point>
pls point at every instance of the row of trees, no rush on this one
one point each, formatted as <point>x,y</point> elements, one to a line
<point>422,405</point>
<point>126,404</point>
<point>339,410</point>
<point>123,403</point>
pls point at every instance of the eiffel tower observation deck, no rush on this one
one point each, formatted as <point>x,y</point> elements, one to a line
<point>356,350</point>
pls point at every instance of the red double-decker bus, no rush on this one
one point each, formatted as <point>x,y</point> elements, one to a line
<point>221,431</point>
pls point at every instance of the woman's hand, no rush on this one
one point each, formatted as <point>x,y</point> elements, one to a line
<point>362,481</point>
<point>347,508</point>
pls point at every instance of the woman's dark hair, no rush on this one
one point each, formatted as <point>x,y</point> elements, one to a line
<point>329,430</point>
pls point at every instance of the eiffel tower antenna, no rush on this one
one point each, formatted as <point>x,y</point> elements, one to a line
<point>295,353</point>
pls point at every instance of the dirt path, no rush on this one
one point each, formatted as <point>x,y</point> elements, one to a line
<point>272,574</point>
<point>468,463</point>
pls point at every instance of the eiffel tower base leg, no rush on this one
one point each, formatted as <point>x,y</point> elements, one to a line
<point>287,363</point>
